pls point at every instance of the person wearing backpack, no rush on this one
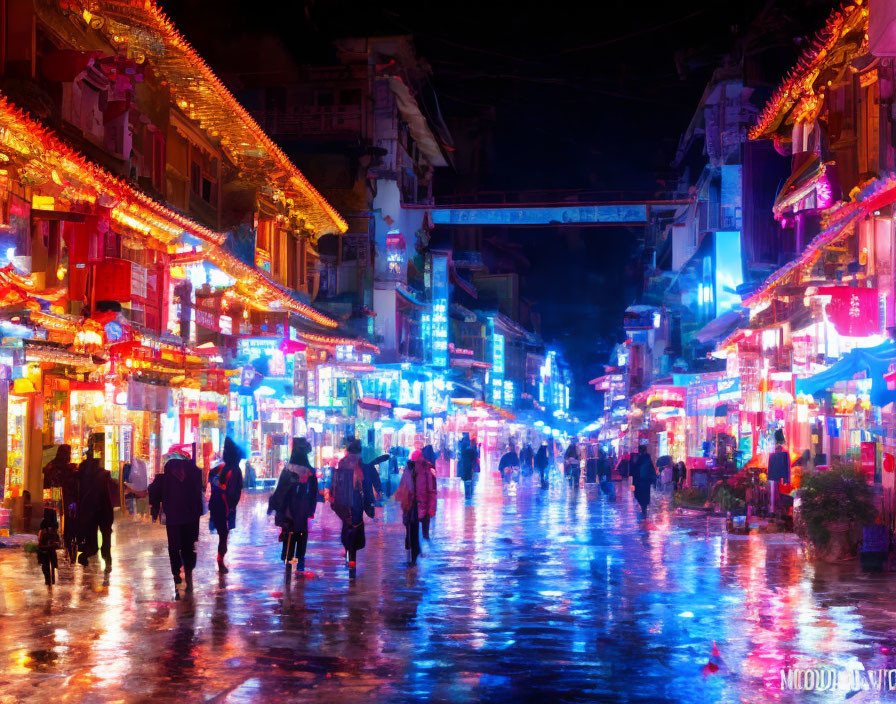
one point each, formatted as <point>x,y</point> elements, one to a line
<point>293,502</point>
<point>349,502</point>
<point>47,544</point>
<point>226,482</point>
<point>466,464</point>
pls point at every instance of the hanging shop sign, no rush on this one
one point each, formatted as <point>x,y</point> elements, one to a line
<point>300,376</point>
<point>208,312</point>
<point>147,397</point>
<point>854,312</point>
<point>869,461</point>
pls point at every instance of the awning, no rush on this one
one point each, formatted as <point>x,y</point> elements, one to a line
<point>874,363</point>
<point>417,124</point>
<point>406,295</point>
<point>800,184</point>
<point>661,394</point>
<point>721,327</point>
<point>833,232</point>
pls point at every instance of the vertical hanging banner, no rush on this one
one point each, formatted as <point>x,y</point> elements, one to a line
<point>439,316</point>
<point>854,312</point>
<point>868,457</point>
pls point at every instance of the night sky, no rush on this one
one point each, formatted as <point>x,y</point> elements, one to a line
<point>574,95</point>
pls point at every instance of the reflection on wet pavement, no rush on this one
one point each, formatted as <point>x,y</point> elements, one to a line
<point>521,596</point>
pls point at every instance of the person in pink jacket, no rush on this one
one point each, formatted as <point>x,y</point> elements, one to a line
<point>418,495</point>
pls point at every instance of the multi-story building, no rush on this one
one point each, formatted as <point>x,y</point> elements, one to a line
<point>369,126</point>
<point>150,229</point>
<point>832,301</point>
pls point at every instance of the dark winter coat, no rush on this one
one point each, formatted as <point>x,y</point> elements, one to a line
<point>363,497</point>
<point>643,478</point>
<point>178,491</point>
<point>541,458</point>
<point>94,503</point>
<point>779,466</point>
<point>227,488</point>
<point>293,501</point>
<point>466,459</point>
<point>603,466</point>
<point>509,460</point>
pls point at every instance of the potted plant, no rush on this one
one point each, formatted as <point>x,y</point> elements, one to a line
<point>834,505</point>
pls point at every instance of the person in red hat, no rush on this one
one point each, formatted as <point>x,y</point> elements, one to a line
<point>418,495</point>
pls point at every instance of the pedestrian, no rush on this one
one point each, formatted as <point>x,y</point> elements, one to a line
<point>591,464</point>
<point>571,464</point>
<point>466,461</point>
<point>429,454</point>
<point>664,470</point>
<point>293,502</point>
<point>226,480</point>
<point>778,470</point>
<point>393,472</point>
<point>679,476</point>
<point>136,483</point>
<point>63,473</point>
<point>526,458</point>
<point>509,463</point>
<point>418,495</point>
<point>623,467</point>
<point>55,467</point>
<point>94,511</point>
<point>47,545</point>
<point>350,503</point>
<point>177,493</point>
<point>541,464</point>
<point>643,478</point>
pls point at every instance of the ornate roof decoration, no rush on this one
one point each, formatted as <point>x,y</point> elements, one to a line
<point>797,91</point>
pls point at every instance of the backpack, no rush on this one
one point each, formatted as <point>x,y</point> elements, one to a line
<point>343,481</point>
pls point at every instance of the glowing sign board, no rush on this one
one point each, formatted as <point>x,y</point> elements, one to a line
<point>559,215</point>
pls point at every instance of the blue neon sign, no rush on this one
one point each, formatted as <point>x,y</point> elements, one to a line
<point>559,215</point>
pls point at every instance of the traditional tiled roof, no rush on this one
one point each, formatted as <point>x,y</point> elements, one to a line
<point>142,31</point>
<point>43,160</point>
<point>798,86</point>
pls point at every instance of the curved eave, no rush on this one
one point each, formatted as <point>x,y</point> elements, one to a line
<point>797,85</point>
<point>24,140</point>
<point>262,291</point>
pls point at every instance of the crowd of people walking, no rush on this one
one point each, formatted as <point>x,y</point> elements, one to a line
<point>177,498</point>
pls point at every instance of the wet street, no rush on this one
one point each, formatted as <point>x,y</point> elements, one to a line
<point>522,596</point>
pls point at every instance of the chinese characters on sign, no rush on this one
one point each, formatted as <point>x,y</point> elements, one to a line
<point>854,312</point>
<point>437,320</point>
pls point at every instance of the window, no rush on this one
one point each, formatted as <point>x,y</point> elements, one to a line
<point>195,177</point>
<point>324,98</point>
<point>869,128</point>
<point>275,255</point>
<point>158,161</point>
<point>203,179</point>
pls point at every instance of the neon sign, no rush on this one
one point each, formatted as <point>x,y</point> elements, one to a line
<point>437,320</point>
